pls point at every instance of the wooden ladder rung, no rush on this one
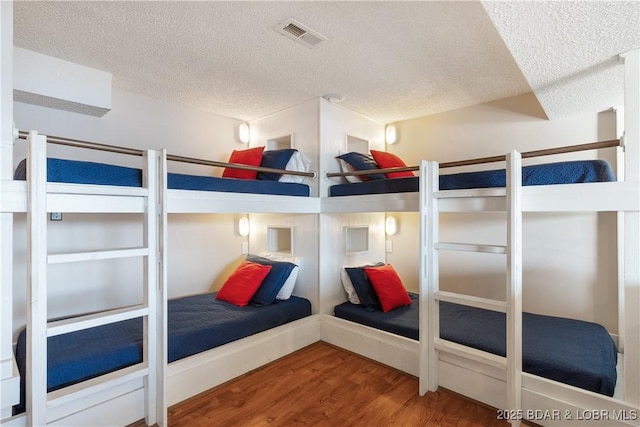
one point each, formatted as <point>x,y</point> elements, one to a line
<point>470,353</point>
<point>97,384</point>
<point>472,301</point>
<point>469,247</point>
<point>95,319</point>
<point>96,255</point>
<point>472,192</point>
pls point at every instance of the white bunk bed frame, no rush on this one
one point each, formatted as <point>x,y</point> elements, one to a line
<point>485,377</point>
<point>469,372</point>
<point>147,389</point>
<point>499,381</point>
<point>200,372</point>
<point>122,395</point>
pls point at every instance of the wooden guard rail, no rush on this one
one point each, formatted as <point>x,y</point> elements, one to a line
<point>481,160</point>
<point>135,152</point>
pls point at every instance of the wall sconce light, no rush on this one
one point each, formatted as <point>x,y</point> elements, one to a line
<point>244,133</point>
<point>390,134</point>
<point>243,226</point>
<point>391,225</point>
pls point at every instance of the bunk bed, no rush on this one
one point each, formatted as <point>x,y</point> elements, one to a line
<point>187,193</point>
<point>388,190</point>
<point>144,363</point>
<point>581,354</point>
<point>481,375</point>
<point>355,197</point>
<point>137,390</point>
<point>195,324</point>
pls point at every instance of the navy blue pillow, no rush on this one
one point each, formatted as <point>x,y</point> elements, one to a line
<point>362,162</point>
<point>271,285</point>
<point>365,291</point>
<point>276,159</point>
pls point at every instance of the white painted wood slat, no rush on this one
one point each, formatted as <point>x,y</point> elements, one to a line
<point>471,353</point>
<point>95,319</point>
<point>470,247</point>
<point>484,303</point>
<point>514,283</point>
<point>95,385</point>
<point>96,255</point>
<point>36,376</point>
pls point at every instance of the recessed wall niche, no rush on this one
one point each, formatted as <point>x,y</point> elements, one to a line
<point>356,144</point>
<point>356,239</point>
<point>280,142</point>
<point>280,239</point>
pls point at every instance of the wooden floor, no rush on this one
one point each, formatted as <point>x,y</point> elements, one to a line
<point>322,385</point>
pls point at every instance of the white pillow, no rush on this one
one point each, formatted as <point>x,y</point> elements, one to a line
<point>299,163</point>
<point>287,289</point>
<point>348,286</point>
<point>346,167</point>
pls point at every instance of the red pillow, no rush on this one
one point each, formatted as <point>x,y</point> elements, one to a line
<point>243,283</point>
<point>390,160</point>
<point>251,156</point>
<point>388,287</point>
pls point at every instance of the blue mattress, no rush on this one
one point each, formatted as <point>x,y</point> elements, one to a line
<point>545,174</point>
<point>195,324</point>
<point>79,172</point>
<point>400,321</point>
<point>581,354</point>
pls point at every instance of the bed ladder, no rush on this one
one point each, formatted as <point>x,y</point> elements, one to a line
<point>431,345</point>
<point>40,405</point>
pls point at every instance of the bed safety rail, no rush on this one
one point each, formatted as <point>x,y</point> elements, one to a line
<point>492,159</point>
<point>70,142</point>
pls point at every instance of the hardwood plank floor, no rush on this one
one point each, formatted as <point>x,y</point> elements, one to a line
<point>322,385</point>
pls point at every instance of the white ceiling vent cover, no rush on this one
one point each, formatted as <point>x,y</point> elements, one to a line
<point>300,33</point>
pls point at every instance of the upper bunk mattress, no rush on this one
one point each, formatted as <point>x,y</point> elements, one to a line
<point>574,352</point>
<point>195,324</point>
<point>80,172</point>
<point>544,174</point>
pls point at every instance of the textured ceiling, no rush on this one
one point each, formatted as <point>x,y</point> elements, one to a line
<point>390,60</point>
<point>568,50</point>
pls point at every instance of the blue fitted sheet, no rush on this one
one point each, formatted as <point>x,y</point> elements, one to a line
<point>80,172</point>
<point>545,174</point>
<point>195,324</point>
<point>574,352</point>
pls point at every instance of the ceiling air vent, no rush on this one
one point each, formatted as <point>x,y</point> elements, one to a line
<point>300,33</point>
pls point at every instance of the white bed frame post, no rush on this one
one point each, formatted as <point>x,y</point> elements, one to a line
<point>632,230</point>
<point>161,292</point>
<point>36,376</point>
<point>153,322</point>
<point>429,276</point>
<point>514,283</point>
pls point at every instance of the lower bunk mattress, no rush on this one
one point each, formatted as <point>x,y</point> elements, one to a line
<point>81,172</point>
<point>574,172</point>
<point>195,324</point>
<point>574,352</point>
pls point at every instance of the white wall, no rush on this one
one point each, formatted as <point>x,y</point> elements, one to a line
<point>202,248</point>
<point>569,259</point>
<point>300,123</point>
<point>333,246</point>
<point>304,246</point>
<point>336,124</point>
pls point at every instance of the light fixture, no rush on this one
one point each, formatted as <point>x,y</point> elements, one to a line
<point>244,132</point>
<point>243,226</point>
<point>334,98</point>
<point>390,134</point>
<point>391,225</point>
